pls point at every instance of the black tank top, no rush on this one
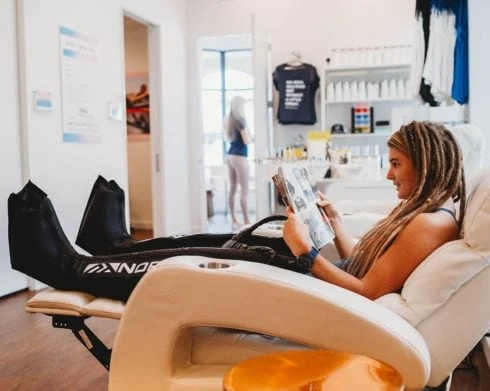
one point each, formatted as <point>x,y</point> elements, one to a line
<point>447,211</point>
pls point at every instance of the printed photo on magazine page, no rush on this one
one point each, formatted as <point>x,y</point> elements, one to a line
<point>296,190</point>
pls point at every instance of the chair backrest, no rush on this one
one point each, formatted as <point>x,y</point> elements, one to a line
<point>472,143</point>
<point>445,298</point>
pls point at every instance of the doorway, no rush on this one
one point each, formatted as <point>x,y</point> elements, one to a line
<point>226,71</point>
<point>139,132</point>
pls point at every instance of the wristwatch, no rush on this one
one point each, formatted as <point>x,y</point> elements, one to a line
<point>305,261</point>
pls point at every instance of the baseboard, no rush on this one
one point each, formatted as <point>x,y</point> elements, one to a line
<point>142,224</point>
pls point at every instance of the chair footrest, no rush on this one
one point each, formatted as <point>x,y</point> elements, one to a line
<point>83,333</point>
<point>69,309</point>
<point>58,302</point>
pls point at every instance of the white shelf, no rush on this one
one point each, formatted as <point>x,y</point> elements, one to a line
<point>368,68</point>
<point>370,135</point>
<point>344,102</point>
<point>333,112</point>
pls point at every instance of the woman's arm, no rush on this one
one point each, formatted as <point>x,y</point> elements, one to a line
<point>246,136</point>
<point>424,234</point>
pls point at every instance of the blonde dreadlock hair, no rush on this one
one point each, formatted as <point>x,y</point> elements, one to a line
<point>438,162</point>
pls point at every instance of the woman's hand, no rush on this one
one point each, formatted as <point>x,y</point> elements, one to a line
<point>296,235</point>
<point>328,208</point>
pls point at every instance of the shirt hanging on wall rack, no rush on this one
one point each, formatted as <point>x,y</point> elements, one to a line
<point>296,83</point>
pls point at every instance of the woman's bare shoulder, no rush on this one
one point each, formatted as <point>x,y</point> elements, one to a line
<point>440,226</point>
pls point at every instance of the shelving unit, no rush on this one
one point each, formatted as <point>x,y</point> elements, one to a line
<point>353,102</point>
<point>367,136</point>
<point>356,141</point>
<point>387,68</point>
<point>335,111</point>
<point>339,111</point>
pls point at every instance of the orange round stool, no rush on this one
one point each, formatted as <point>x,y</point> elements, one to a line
<point>312,370</point>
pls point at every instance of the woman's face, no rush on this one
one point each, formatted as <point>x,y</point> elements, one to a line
<point>402,173</point>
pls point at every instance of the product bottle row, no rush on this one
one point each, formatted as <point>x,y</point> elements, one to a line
<point>370,56</point>
<point>352,91</point>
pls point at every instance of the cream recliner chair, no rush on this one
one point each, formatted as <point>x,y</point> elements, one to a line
<point>423,332</point>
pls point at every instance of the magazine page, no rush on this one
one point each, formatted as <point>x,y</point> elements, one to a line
<point>296,188</point>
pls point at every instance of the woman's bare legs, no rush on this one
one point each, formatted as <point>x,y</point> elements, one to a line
<point>233,186</point>
<point>238,174</point>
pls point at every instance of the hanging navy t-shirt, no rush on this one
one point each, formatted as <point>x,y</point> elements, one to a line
<point>297,86</point>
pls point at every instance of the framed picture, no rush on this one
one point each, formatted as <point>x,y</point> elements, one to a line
<point>137,104</point>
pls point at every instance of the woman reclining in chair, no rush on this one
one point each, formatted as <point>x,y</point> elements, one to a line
<point>426,167</point>
<point>427,170</point>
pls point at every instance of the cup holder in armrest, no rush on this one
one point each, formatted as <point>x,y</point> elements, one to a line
<point>214,265</point>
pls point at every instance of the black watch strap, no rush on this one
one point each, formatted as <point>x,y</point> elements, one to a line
<point>305,261</point>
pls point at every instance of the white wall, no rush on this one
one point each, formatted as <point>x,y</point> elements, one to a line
<point>66,171</point>
<point>10,156</point>
<point>311,27</point>
<point>479,63</point>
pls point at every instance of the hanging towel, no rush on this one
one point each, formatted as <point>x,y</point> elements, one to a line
<point>421,41</point>
<point>460,89</point>
<point>439,63</point>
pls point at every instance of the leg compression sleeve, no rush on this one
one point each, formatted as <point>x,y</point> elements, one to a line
<point>40,249</point>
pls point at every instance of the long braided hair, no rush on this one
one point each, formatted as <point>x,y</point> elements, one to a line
<point>438,162</point>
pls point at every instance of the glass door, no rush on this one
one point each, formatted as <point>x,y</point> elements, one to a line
<point>226,73</point>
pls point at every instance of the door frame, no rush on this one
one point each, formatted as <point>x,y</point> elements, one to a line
<point>154,85</point>
<point>264,133</point>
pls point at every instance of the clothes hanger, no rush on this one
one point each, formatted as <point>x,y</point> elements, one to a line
<point>295,60</point>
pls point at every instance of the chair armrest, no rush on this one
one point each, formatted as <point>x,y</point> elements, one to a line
<point>153,339</point>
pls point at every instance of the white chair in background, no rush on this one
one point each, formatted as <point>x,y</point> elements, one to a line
<point>472,143</point>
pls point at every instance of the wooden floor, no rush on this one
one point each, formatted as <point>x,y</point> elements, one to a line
<point>35,356</point>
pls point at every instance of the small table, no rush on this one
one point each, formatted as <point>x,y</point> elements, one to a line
<point>313,370</point>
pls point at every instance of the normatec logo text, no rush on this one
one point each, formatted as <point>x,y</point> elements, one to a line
<point>119,267</point>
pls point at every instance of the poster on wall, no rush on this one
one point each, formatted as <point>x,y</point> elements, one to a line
<point>79,76</point>
<point>137,104</point>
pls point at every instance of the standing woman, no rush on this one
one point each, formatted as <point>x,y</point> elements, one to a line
<point>237,134</point>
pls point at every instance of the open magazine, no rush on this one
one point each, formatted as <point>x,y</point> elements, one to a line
<point>296,190</point>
